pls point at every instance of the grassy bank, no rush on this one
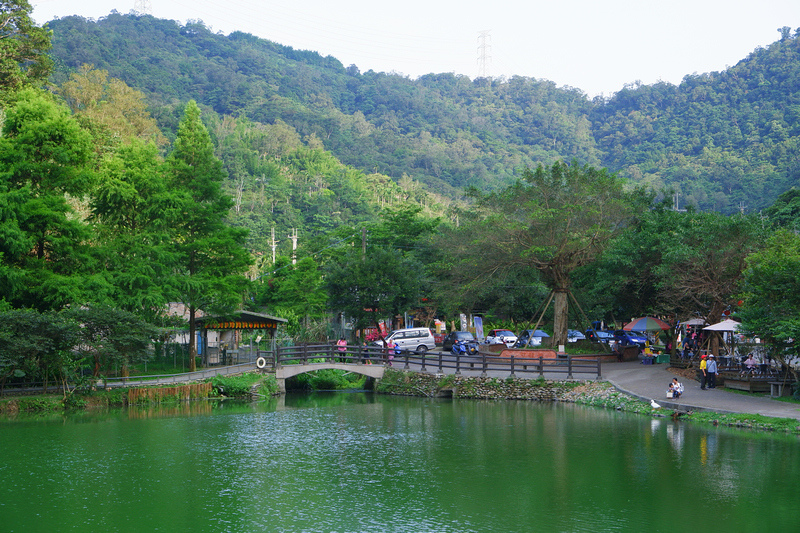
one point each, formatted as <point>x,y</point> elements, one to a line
<point>240,386</point>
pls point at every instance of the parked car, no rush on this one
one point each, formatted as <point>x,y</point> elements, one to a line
<point>418,340</point>
<point>466,336</point>
<point>463,337</point>
<point>600,336</point>
<point>501,336</point>
<point>573,335</point>
<point>630,337</point>
<point>534,336</point>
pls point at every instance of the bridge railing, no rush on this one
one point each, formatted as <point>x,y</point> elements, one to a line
<point>442,363</point>
<point>326,353</point>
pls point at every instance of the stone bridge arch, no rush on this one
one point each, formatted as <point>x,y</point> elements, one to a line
<point>283,372</point>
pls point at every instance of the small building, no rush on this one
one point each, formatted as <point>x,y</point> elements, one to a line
<point>223,335</point>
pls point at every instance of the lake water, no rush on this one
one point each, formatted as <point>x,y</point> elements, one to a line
<point>357,462</point>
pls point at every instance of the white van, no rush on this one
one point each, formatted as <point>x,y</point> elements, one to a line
<point>418,340</point>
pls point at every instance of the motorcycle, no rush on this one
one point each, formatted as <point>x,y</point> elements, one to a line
<point>461,347</point>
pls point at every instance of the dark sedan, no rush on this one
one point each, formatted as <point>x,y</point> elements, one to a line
<point>464,336</point>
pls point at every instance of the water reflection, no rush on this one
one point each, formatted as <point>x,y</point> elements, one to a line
<point>359,462</point>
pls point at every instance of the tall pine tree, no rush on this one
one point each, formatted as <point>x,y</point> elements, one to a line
<point>212,257</point>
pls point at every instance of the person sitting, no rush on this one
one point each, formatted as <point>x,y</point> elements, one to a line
<point>676,388</point>
<point>750,364</point>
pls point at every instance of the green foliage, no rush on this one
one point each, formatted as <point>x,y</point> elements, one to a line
<point>38,346</point>
<point>771,297</point>
<point>235,386</point>
<point>269,385</point>
<point>330,379</point>
<point>46,261</point>
<point>111,336</point>
<point>23,48</point>
<point>560,219</point>
<point>720,139</point>
<point>211,258</point>
<point>381,283</point>
<point>296,289</point>
<point>670,262</point>
<point>39,405</point>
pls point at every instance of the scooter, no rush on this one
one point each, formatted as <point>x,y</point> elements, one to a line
<point>464,348</point>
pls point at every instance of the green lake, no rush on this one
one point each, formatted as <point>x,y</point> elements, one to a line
<point>357,462</point>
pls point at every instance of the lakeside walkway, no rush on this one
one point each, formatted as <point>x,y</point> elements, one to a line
<point>650,382</point>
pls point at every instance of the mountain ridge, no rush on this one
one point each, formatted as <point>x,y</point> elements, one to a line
<point>723,141</point>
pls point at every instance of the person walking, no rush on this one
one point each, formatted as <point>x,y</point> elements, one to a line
<point>703,374</point>
<point>712,371</point>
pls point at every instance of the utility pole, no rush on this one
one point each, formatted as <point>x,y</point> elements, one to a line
<point>363,244</point>
<point>484,53</point>
<point>273,245</point>
<point>293,236</point>
<point>675,204</point>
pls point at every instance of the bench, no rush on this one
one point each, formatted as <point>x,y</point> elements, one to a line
<point>779,388</point>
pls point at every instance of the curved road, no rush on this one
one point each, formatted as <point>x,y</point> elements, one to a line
<point>651,381</point>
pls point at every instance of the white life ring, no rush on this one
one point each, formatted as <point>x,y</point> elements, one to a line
<point>261,362</point>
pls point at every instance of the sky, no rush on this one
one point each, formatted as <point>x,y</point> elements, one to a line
<point>596,46</point>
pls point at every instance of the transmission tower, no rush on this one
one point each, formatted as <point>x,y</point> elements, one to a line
<point>484,53</point>
<point>143,7</point>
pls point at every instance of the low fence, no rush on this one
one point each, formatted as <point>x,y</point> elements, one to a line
<point>442,363</point>
<point>138,381</point>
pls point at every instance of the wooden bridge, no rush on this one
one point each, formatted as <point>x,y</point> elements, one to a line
<point>372,361</point>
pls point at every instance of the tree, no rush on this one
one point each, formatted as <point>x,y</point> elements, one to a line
<point>382,284</point>
<point>38,346</point>
<point>558,219</point>
<point>111,336</point>
<point>296,289</point>
<point>23,48</point>
<point>771,295</point>
<point>703,256</point>
<point>110,106</point>
<point>212,259</point>
<point>133,213</point>
<point>46,252</point>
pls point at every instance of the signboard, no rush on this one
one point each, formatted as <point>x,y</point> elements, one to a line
<point>478,327</point>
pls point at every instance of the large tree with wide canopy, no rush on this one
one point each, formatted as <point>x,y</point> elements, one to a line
<point>556,220</point>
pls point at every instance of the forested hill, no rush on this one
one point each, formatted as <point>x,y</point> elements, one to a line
<point>722,140</point>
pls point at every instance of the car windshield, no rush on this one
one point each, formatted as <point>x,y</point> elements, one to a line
<point>503,333</point>
<point>464,335</point>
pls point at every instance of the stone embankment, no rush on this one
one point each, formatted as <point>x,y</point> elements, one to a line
<point>431,385</point>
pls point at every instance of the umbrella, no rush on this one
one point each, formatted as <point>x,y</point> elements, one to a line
<point>725,325</point>
<point>646,323</point>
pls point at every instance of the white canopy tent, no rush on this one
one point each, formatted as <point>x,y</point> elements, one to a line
<point>725,325</point>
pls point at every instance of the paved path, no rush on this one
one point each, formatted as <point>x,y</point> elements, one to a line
<point>650,382</point>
